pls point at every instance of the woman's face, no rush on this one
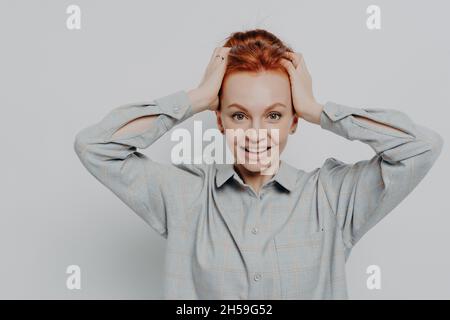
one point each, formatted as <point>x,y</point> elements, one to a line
<point>256,116</point>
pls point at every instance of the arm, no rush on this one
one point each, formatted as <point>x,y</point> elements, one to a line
<point>108,150</point>
<point>361,194</point>
<point>316,111</point>
<point>141,124</point>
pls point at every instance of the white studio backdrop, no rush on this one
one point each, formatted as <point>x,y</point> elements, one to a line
<point>56,80</point>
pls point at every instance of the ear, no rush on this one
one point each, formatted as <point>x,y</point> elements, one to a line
<point>293,125</point>
<point>219,121</point>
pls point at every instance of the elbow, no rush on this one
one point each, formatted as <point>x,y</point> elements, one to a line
<point>83,139</point>
<point>79,144</point>
<point>426,160</point>
<point>432,142</point>
<point>436,143</point>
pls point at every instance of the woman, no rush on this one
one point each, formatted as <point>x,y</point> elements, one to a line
<point>258,228</point>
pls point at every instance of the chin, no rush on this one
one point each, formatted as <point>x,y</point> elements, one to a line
<point>257,167</point>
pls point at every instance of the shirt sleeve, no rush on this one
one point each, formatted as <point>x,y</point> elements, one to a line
<point>151,189</point>
<point>362,193</point>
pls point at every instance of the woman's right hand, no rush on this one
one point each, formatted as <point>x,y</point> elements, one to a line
<point>206,94</point>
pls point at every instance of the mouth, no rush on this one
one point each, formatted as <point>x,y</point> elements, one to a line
<point>252,151</point>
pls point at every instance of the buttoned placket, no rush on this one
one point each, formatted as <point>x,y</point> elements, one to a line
<point>256,290</point>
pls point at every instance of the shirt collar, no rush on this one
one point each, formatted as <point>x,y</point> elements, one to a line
<point>286,175</point>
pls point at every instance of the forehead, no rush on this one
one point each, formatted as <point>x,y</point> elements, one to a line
<point>255,90</point>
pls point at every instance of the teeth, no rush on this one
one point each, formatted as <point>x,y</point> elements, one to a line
<point>256,151</point>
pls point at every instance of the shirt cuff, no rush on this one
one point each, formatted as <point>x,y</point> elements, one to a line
<point>176,105</point>
<point>171,109</point>
<point>333,111</point>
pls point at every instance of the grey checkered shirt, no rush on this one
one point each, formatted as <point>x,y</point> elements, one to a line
<point>291,240</point>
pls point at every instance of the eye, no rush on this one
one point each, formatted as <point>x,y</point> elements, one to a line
<point>274,116</point>
<point>240,116</point>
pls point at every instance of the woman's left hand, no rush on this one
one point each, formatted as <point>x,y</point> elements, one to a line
<point>305,105</point>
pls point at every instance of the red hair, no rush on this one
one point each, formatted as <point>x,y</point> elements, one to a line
<point>254,51</point>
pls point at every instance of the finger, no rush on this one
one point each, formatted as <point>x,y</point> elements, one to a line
<point>225,50</point>
<point>216,51</point>
<point>221,56</point>
<point>289,66</point>
<point>295,57</point>
<point>221,61</point>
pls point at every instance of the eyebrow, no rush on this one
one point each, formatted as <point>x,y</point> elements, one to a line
<point>268,107</point>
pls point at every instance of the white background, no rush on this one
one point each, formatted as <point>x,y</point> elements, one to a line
<point>55,81</point>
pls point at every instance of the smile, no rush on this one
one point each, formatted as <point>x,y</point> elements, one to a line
<point>256,151</point>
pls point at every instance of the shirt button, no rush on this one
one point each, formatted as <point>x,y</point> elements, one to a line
<point>338,114</point>
<point>255,230</point>
<point>257,276</point>
<point>176,109</point>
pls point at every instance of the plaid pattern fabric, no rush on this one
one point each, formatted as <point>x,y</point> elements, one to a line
<point>291,240</point>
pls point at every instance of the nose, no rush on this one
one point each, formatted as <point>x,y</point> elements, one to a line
<point>256,137</point>
<point>255,123</point>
